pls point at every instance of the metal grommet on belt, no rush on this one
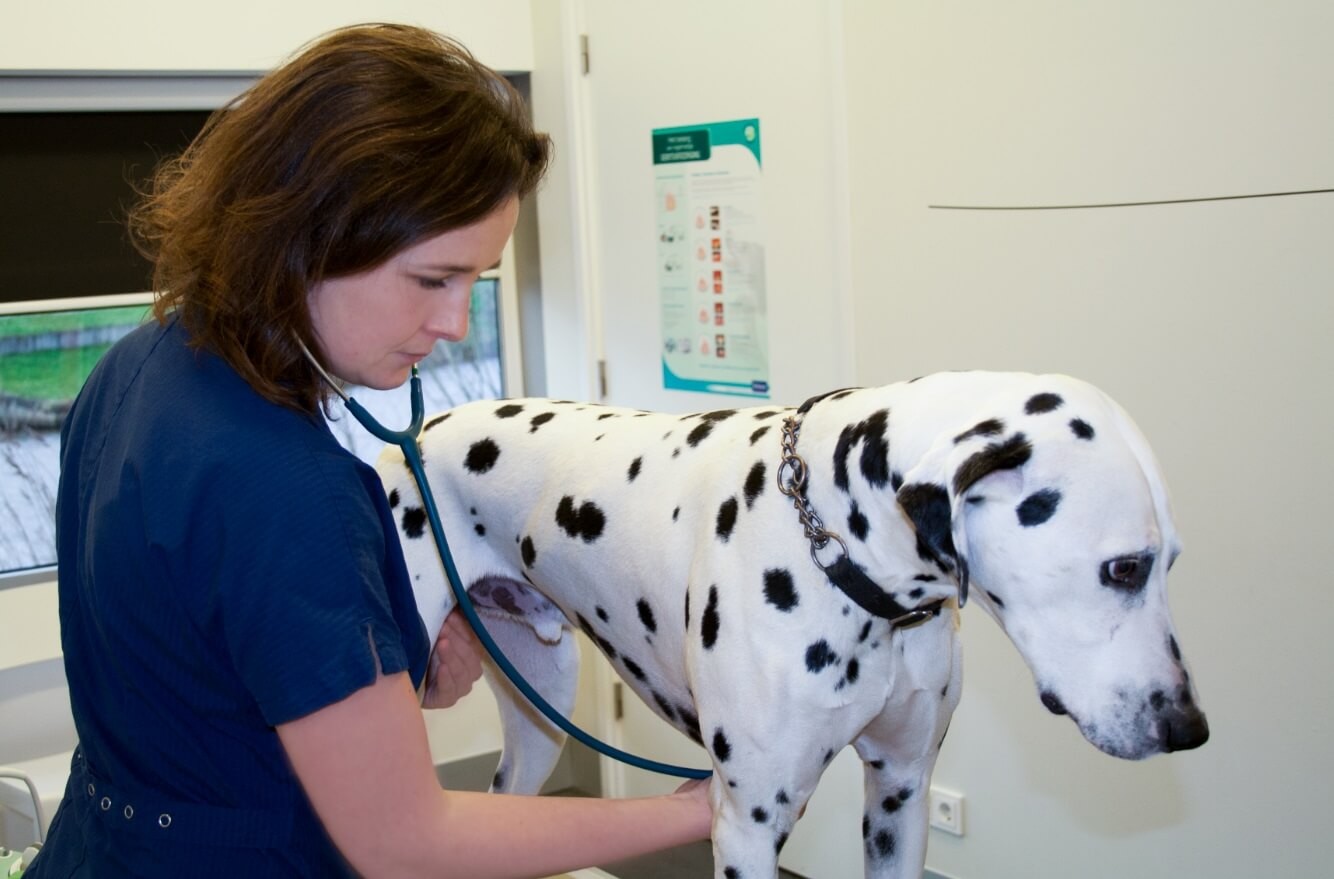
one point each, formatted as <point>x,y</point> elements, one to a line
<point>164,820</point>
<point>106,803</point>
<point>129,812</point>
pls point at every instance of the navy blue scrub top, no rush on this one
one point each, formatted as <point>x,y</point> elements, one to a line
<point>224,566</point>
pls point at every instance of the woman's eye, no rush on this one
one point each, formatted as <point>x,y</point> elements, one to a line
<point>433,283</point>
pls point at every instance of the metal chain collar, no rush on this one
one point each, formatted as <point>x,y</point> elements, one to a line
<point>792,475</point>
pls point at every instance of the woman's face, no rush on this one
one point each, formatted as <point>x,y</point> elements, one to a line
<point>375,325</point>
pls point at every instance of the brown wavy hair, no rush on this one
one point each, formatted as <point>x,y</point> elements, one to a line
<point>371,139</point>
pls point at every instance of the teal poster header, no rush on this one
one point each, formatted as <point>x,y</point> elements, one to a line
<point>695,143</point>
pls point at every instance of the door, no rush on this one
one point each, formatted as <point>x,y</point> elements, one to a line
<point>696,62</point>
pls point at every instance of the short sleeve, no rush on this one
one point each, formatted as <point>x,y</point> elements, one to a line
<point>313,599</point>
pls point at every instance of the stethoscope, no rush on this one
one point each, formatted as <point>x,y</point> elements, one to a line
<point>406,440</point>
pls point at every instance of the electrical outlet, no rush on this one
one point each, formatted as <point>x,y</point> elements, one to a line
<point>946,810</point>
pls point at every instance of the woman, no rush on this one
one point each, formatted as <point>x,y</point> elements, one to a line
<point>240,638</point>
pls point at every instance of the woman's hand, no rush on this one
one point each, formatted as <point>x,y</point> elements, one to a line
<point>456,663</point>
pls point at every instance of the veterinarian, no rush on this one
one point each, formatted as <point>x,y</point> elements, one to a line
<point>243,651</point>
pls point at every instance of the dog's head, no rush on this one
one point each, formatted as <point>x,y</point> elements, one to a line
<point>1052,504</point>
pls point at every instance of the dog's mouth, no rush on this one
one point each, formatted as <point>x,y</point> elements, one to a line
<point>1153,725</point>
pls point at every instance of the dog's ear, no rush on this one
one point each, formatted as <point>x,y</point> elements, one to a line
<point>933,492</point>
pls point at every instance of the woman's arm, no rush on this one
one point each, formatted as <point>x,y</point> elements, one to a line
<point>366,766</point>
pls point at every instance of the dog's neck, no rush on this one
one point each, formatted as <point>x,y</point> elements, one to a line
<point>858,445</point>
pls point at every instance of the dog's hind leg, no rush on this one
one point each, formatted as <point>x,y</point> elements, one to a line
<point>532,744</point>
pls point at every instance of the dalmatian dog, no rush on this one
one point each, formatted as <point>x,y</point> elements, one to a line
<point>781,583</point>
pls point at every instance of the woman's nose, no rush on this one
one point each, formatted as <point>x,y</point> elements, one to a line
<point>449,321</point>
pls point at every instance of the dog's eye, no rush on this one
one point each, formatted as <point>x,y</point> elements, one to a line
<point>1126,572</point>
<point>1122,570</point>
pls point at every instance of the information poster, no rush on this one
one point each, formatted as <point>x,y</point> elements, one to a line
<point>711,258</point>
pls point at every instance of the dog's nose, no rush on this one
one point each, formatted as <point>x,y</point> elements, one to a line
<point>1053,702</point>
<point>1183,729</point>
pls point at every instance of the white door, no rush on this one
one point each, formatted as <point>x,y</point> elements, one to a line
<point>695,62</point>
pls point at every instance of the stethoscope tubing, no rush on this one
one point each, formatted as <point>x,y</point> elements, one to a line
<point>406,441</point>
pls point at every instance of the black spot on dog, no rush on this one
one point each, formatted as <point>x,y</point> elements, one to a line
<point>925,578</point>
<point>719,415</point>
<point>779,589</point>
<point>676,514</point>
<point>700,432</point>
<point>634,469</point>
<point>690,721</point>
<point>1157,699</point>
<point>865,632</point>
<point>896,480</point>
<point>480,529</point>
<point>528,551</point>
<point>605,415</point>
<point>413,522</point>
<point>891,804</point>
<point>1008,455</point>
<point>781,798</point>
<point>687,608</point>
<point>666,706</point>
<point>779,843</point>
<point>726,519</point>
<point>990,427</point>
<point>884,844</point>
<point>877,765</point>
<point>646,615</point>
<point>436,420</point>
<point>731,873</point>
<point>995,599</point>
<point>755,437</point>
<point>847,438</point>
<point>759,815</point>
<point>509,410</point>
<point>819,656</point>
<point>393,499</point>
<point>585,522</point>
<point>1040,403</point>
<point>482,456</point>
<point>754,483</point>
<point>1081,428</point>
<point>875,450</point>
<point>709,624</point>
<point>917,593</point>
<point>539,420</point>
<point>866,827</point>
<point>722,749</point>
<point>858,524</point>
<point>1038,507</point>
<point>602,614</point>
<point>852,671</point>
<point>633,667</point>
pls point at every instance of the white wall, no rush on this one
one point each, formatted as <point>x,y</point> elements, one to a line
<point>1209,322</point>
<point>241,35</point>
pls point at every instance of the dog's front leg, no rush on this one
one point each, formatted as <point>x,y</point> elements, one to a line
<point>898,750</point>
<point>756,804</point>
